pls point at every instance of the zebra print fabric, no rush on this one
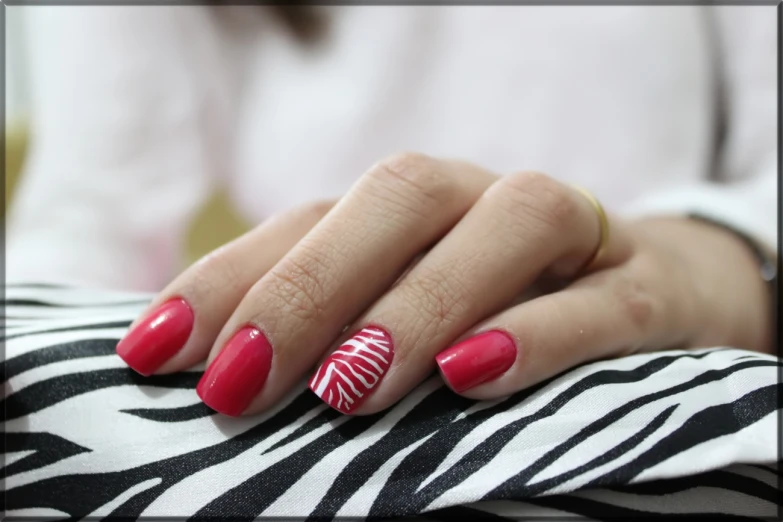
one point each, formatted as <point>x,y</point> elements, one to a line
<point>679,432</point>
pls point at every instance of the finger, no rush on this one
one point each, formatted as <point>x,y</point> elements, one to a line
<point>178,328</point>
<point>293,314</point>
<point>523,225</point>
<point>607,314</point>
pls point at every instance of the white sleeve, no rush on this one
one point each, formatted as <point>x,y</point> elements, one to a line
<point>130,119</point>
<point>744,191</point>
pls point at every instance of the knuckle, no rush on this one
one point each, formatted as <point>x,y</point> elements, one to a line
<point>436,299</point>
<point>317,209</point>
<point>417,175</point>
<point>636,303</point>
<point>543,198</point>
<point>296,282</point>
<point>406,165</point>
<point>217,272</point>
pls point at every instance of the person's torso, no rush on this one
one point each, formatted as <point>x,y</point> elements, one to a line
<point>618,99</point>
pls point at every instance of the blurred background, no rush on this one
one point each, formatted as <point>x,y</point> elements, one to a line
<point>216,223</point>
<point>162,132</point>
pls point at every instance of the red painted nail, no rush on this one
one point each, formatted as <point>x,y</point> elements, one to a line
<point>238,373</point>
<point>158,337</point>
<point>477,360</point>
<point>348,376</point>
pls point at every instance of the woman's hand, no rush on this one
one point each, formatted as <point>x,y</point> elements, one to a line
<point>427,261</point>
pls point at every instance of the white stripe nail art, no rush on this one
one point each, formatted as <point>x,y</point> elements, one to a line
<point>346,378</point>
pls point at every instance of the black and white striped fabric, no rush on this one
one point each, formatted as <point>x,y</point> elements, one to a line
<point>679,432</point>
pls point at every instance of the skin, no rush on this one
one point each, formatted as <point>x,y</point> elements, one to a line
<point>435,251</point>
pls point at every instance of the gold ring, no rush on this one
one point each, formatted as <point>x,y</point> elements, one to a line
<point>603,240</point>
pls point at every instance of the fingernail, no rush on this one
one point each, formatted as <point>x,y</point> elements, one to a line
<point>238,373</point>
<point>348,376</point>
<point>477,360</point>
<point>158,337</point>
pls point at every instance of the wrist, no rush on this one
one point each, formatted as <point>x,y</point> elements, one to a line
<point>767,270</point>
<point>733,302</point>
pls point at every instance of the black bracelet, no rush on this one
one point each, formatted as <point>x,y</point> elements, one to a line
<point>768,267</point>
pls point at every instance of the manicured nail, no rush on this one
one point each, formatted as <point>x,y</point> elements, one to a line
<point>348,376</point>
<point>477,360</point>
<point>158,337</point>
<point>238,373</point>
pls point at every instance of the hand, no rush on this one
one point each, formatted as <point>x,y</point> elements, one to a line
<point>428,262</point>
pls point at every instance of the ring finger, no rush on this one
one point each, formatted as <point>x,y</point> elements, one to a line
<point>524,225</point>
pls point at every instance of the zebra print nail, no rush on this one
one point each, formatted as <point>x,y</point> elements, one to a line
<point>346,378</point>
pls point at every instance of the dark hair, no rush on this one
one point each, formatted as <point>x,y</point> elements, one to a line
<point>304,21</point>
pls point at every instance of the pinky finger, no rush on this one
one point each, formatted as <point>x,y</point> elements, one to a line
<point>603,315</point>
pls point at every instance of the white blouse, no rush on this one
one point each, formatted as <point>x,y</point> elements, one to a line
<point>140,111</point>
